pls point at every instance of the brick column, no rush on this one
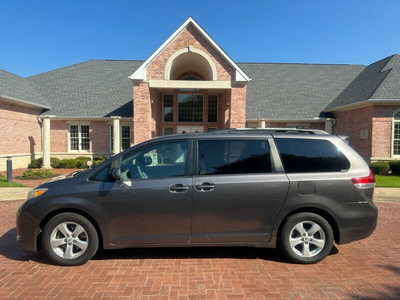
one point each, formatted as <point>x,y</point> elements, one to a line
<point>116,135</point>
<point>238,106</point>
<point>46,143</point>
<point>141,112</point>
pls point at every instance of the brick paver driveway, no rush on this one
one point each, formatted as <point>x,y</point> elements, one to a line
<point>368,269</point>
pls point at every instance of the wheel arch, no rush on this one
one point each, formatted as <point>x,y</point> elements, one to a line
<point>328,217</point>
<point>54,213</point>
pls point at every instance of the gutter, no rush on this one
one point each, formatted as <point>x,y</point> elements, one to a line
<point>24,102</point>
<point>364,104</point>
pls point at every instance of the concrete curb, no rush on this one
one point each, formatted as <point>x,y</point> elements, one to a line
<point>387,194</point>
<point>13,193</point>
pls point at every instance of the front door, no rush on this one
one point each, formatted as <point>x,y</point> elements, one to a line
<point>152,201</point>
<point>236,196</point>
<point>190,129</point>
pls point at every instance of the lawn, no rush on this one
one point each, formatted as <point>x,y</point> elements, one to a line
<point>4,183</point>
<point>387,180</point>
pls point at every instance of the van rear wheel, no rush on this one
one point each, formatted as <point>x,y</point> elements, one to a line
<point>306,238</point>
<point>69,239</point>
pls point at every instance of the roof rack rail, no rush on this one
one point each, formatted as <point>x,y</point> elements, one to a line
<point>272,130</point>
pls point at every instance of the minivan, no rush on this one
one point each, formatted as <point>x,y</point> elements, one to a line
<point>298,191</point>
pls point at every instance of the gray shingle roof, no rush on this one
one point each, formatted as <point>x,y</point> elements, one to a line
<point>294,91</point>
<point>94,88</point>
<point>376,81</point>
<point>17,87</point>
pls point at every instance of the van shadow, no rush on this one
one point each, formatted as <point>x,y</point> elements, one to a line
<point>10,249</point>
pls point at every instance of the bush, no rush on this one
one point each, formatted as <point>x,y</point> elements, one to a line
<point>54,162</point>
<point>37,174</point>
<point>98,160</point>
<point>82,162</point>
<point>380,167</point>
<point>395,167</point>
<point>68,164</point>
<point>101,158</point>
<point>36,163</point>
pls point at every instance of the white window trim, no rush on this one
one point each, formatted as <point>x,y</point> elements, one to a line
<point>120,136</point>
<point>392,136</point>
<point>79,124</point>
<point>217,107</point>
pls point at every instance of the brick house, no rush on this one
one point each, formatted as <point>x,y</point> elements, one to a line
<point>189,84</point>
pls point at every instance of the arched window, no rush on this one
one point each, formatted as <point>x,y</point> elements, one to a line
<point>396,133</point>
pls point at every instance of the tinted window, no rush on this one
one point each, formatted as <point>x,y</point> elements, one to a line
<point>307,155</point>
<point>233,157</point>
<point>101,175</point>
<point>155,161</point>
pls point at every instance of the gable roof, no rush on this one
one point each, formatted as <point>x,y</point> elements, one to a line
<point>140,73</point>
<point>17,89</point>
<point>294,91</point>
<point>378,81</point>
<point>92,89</point>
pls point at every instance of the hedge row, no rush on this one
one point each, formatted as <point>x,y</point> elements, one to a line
<point>76,163</point>
<point>383,167</point>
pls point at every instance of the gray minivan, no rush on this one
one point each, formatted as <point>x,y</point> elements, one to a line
<point>298,191</point>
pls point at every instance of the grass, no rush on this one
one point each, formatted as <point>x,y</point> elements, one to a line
<point>387,180</point>
<point>4,183</point>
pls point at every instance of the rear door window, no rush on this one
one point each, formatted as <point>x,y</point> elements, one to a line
<point>217,157</point>
<point>311,155</point>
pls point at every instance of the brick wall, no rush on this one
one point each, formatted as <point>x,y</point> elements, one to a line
<point>238,106</point>
<point>382,117</point>
<point>99,132</point>
<point>189,37</point>
<point>58,136</point>
<point>142,123</point>
<point>20,133</point>
<point>351,123</point>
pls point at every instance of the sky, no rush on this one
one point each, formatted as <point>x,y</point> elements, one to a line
<point>39,36</point>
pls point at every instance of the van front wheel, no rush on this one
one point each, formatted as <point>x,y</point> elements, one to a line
<point>306,238</point>
<point>69,239</point>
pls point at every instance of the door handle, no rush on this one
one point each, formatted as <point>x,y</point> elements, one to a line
<point>205,187</point>
<point>178,188</point>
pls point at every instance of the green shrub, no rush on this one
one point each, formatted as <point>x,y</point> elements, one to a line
<point>82,162</point>
<point>68,164</point>
<point>380,167</point>
<point>98,160</point>
<point>101,158</point>
<point>395,167</point>
<point>54,162</point>
<point>36,163</point>
<point>37,174</point>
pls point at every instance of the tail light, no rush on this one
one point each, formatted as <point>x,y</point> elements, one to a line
<point>364,182</point>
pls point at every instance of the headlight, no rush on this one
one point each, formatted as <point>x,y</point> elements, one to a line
<point>35,193</point>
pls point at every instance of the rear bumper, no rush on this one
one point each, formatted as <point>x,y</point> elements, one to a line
<point>355,220</point>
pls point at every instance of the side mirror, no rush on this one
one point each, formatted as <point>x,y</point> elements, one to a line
<point>147,161</point>
<point>116,173</point>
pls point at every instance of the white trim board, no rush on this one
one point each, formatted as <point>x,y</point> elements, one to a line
<point>140,73</point>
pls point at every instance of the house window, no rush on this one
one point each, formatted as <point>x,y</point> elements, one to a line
<point>168,108</point>
<point>168,130</point>
<point>125,137</point>
<point>79,138</point>
<point>212,108</point>
<point>190,108</point>
<point>396,133</point>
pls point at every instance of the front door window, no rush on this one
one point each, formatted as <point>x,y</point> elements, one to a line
<point>190,108</point>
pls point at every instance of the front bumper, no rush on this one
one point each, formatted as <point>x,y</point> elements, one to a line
<point>355,220</point>
<point>27,232</point>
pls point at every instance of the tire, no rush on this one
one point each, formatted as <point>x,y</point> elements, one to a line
<point>306,238</point>
<point>69,239</point>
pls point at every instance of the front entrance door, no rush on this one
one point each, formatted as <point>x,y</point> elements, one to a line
<point>190,129</point>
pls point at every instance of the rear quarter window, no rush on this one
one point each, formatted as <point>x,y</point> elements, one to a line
<point>311,155</point>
